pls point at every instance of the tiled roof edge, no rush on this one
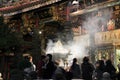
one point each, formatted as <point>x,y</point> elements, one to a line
<point>13,10</point>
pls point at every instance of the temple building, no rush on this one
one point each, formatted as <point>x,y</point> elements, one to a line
<point>99,20</point>
<point>35,22</point>
<point>80,27</point>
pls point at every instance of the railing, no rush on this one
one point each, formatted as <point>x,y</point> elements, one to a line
<point>84,8</point>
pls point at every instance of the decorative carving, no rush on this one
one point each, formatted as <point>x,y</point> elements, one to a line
<point>104,53</point>
<point>55,12</point>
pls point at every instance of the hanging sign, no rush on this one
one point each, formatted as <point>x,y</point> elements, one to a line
<point>107,37</point>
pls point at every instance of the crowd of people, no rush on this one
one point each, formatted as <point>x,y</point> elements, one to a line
<point>49,69</point>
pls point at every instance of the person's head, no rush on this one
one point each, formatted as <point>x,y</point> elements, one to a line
<point>101,62</point>
<point>42,57</point>
<point>49,57</point>
<point>106,75</point>
<point>30,58</point>
<point>85,59</point>
<point>26,58</point>
<point>108,62</point>
<point>97,64</point>
<point>74,60</point>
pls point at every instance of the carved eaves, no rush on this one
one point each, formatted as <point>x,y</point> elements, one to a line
<point>21,8</point>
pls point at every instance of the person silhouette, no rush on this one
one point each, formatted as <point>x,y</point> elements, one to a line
<point>49,67</point>
<point>87,69</point>
<point>75,69</point>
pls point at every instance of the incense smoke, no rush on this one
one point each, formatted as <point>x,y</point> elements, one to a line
<point>78,47</point>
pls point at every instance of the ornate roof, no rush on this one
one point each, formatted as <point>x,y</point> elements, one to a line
<point>19,7</point>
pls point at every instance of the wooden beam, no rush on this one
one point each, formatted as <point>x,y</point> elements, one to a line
<point>95,7</point>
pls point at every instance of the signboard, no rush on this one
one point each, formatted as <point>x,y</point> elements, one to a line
<point>107,37</point>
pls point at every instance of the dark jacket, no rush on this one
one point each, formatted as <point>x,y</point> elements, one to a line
<point>87,70</point>
<point>49,71</point>
<point>110,69</point>
<point>75,70</point>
